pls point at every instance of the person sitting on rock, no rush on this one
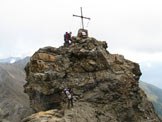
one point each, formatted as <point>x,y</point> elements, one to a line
<point>69,97</point>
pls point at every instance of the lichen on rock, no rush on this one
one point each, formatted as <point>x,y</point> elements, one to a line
<point>105,86</point>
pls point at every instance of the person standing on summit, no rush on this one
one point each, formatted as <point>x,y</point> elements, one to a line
<point>70,36</point>
<point>66,39</point>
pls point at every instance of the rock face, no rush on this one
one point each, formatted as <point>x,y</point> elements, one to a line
<point>105,86</point>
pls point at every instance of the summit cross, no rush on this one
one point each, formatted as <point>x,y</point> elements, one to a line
<point>82,17</point>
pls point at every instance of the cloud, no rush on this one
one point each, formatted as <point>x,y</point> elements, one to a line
<point>131,28</point>
<point>152,74</point>
<point>138,56</point>
<point>149,65</point>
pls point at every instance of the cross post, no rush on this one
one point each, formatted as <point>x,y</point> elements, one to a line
<point>82,17</point>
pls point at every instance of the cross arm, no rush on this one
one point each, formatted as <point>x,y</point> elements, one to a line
<point>81,17</point>
<point>86,18</point>
<point>76,15</point>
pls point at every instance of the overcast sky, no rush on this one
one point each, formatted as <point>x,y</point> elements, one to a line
<point>131,27</point>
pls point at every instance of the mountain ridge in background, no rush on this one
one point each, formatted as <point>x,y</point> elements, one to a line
<point>14,103</point>
<point>10,60</point>
<point>154,94</point>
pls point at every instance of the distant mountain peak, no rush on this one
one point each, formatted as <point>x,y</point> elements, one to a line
<point>10,60</point>
<point>13,61</point>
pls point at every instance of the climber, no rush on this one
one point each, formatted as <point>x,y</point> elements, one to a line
<point>69,38</point>
<point>69,96</point>
<point>66,39</point>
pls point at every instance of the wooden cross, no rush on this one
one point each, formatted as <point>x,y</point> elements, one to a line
<point>82,17</point>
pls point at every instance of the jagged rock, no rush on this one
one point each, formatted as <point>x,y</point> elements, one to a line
<point>47,116</point>
<point>43,56</point>
<point>105,85</point>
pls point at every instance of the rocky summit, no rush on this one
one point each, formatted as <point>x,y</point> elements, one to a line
<point>105,86</point>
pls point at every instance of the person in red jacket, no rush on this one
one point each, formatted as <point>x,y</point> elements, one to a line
<point>66,39</point>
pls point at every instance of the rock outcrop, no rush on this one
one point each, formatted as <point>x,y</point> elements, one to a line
<point>105,86</point>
